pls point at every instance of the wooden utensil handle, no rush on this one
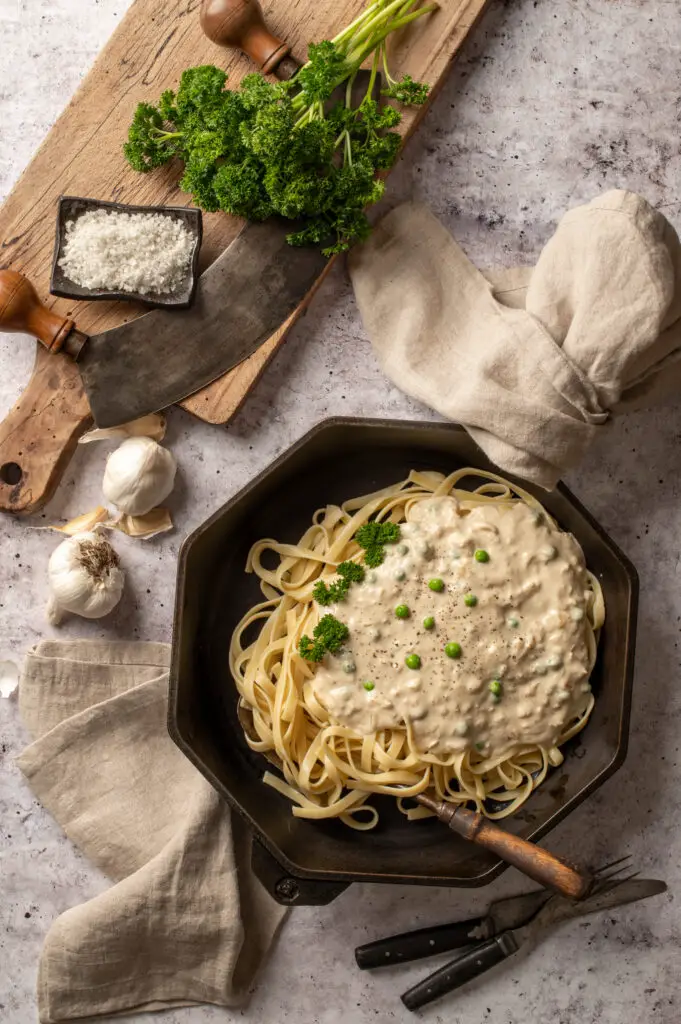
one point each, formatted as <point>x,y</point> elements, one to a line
<point>21,311</point>
<point>532,860</point>
<point>240,23</point>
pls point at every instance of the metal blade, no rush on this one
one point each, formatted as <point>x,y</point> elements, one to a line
<point>517,910</point>
<point>241,300</point>
<point>559,909</point>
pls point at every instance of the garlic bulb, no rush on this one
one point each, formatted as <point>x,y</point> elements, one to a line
<point>139,474</point>
<point>85,577</point>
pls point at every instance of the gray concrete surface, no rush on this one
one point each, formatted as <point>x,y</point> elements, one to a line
<point>552,101</point>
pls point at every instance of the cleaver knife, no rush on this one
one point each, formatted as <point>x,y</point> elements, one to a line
<point>241,299</point>
<point>163,356</point>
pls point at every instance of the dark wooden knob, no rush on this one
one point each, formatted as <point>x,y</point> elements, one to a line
<point>240,23</point>
<point>22,312</point>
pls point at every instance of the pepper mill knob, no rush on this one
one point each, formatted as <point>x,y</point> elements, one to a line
<point>240,23</point>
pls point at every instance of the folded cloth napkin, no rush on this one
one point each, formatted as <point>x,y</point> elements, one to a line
<point>531,362</point>
<point>186,921</point>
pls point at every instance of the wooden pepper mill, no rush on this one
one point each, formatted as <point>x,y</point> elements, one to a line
<point>240,24</point>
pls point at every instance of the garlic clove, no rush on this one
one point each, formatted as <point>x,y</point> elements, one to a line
<point>81,524</point>
<point>153,425</point>
<point>143,527</point>
<point>139,475</point>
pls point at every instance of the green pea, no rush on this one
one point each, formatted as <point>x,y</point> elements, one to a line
<point>470,600</point>
<point>429,622</point>
<point>402,611</point>
<point>453,650</point>
<point>496,688</point>
<point>481,556</point>
<point>513,621</point>
<point>400,576</point>
<point>437,585</point>
<point>368,685</point>
<point>479,746</point>
<point>412,661</point>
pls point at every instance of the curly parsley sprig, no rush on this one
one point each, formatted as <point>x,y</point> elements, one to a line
<point>373,537</point>
<point>282,148</point>
<point>328,635</point>
<point>349,572</point>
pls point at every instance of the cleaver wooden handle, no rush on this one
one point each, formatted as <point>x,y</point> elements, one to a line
<point>240,23</point>
<point>22,312</point>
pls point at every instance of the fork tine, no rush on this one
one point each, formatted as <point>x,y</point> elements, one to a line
<point>612,864</point>
<point>612,882</point>
<point>600,872</point>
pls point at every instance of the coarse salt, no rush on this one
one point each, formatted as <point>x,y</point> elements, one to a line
<point>127,252</point>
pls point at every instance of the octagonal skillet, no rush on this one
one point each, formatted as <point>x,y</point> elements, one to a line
<point>303,861</point>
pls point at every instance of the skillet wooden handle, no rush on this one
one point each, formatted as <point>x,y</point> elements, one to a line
<point>240,23</point>
<point>22,312</point>
<point>533,861</point>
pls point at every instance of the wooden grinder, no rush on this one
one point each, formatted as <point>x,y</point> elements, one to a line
<point>240,24</point>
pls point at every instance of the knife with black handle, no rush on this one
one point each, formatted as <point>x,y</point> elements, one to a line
<point>425,942</point>
<point>487,954</point>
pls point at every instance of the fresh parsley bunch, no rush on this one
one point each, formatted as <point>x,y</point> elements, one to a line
<point>283,148</point>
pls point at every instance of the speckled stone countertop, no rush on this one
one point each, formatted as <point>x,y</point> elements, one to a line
<point>551,102</point>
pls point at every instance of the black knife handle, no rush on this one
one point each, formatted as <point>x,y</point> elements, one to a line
<point>400,949</point>
<point>460,971</point>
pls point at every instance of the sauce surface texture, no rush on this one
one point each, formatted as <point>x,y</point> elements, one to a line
<point>506,659</point>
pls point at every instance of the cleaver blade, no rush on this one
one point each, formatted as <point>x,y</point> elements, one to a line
<point>163,356</point>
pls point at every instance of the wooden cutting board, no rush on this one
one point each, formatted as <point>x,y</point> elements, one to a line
<point>82,155</point>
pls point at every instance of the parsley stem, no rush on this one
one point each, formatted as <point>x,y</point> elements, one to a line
<point>357,57</point>
<point>348,90</point>
<point>376,22</point>
<point>372,77</point>
<point>348,150</point>
<point>389,80</point>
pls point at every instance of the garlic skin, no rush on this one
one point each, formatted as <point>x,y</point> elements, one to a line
<point>139,474</point>
<point>85,577</point>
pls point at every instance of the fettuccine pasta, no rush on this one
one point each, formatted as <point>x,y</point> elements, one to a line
<point>467,661</point>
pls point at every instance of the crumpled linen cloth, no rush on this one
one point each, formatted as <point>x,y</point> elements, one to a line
<point>186,921</point>
<point>531,361</point>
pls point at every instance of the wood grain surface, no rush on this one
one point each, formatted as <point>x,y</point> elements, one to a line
<point>82,155</point>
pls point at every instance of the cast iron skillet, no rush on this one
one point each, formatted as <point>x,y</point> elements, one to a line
<point>310,862</point>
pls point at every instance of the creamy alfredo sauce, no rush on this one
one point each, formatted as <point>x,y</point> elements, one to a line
<point>525,636</point>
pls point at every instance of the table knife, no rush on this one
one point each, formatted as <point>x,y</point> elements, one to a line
<point>424,942</point>
<point>493,951</point>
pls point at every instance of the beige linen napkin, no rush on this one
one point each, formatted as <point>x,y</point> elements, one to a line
<point>186,921</point>
<point>532,362</point>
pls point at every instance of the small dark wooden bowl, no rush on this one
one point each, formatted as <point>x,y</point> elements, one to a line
<point>72,207</point>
